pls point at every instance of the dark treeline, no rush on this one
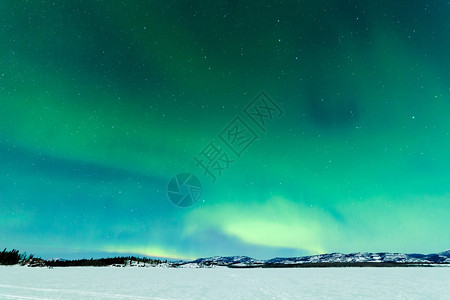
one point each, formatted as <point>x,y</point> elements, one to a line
<point>13,257</point>
<point>102,262</point>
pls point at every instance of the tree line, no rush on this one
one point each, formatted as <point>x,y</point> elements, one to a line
<point>103,262</point>
<point>14,257</point>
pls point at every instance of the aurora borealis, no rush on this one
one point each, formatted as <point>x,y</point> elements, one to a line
<point>102,102</point>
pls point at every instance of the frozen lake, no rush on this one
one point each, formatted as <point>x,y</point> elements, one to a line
<point>223,283</point>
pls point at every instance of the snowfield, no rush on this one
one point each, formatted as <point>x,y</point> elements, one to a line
<point>223,283</point>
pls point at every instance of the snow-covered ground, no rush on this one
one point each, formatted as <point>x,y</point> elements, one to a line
<point>224,283</point>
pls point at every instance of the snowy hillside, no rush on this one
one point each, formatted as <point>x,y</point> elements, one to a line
<point>332,258</point>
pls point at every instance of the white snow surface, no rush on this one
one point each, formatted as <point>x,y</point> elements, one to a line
<point>224,283</point>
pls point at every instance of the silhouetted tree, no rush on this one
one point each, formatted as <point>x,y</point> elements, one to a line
<point>10,257</point>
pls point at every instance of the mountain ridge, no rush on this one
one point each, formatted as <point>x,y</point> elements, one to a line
<point>366,258</point>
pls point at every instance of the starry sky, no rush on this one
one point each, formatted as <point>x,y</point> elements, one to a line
<point>103,102</point>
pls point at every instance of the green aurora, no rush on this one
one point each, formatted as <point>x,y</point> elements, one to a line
<point>102,102</point>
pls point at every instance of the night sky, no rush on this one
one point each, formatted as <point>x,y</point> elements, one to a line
<point>103,102</point>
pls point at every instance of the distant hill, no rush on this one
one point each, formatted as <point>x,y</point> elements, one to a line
<point>361,259</point>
